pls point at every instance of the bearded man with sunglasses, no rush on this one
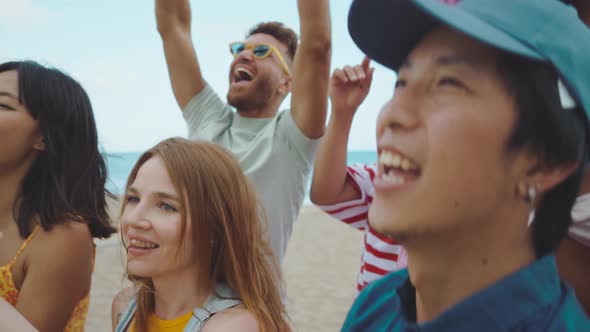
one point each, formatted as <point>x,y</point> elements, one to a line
<point>275,149</point>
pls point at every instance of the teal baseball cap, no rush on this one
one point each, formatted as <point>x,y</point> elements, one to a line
<point>544,30</point>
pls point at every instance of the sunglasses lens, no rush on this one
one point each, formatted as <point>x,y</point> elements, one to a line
<point>237,48</point>
<point>261,50</point>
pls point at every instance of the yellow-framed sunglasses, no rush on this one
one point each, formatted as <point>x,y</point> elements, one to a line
<point>260,51</point>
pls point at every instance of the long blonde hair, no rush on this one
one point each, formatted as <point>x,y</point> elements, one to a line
<point>226,232</point>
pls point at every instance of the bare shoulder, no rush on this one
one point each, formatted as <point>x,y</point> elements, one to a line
<point>73,232</point>
<point>120,303</point>
<point>64,253</point>
<point>70,239</point>
<point>232,319</point>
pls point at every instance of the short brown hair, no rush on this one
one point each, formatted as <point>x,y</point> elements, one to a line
<point>281,32</point>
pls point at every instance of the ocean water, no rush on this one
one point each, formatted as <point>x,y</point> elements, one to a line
<point>120,164</point>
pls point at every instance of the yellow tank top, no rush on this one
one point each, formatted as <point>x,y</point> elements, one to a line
<point>9,292</point>
<point>156,324</point>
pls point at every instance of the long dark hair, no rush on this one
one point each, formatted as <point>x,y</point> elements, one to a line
<point>67,181</point>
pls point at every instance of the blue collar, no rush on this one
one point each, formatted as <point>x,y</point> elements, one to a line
<point>511,301</point>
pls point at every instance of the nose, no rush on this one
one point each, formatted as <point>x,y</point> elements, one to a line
<point>401,112</point>
<point>245,55</point>
<point>136,216</point>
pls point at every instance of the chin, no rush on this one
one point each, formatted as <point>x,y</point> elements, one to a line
<point>389,223</point>
<point>238,100</point>
<point>255,96</point>
<point>389,228</point>
<point>382,222</point>
<point>140,269</point>
<point>243,104</point>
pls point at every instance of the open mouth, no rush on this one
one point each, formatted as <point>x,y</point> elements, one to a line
<point>142,245</point>
<point>397,169</point>
<point>242,74</point>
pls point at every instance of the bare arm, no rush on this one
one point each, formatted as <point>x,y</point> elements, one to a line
<point>174,25</point>
<point>312,68</point>
<point>348,89</point>
<point>56,279</point>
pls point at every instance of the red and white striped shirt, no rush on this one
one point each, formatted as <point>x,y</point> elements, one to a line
<point>381,254</point>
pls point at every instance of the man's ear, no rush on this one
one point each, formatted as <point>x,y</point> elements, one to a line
<point>286,85</point>
<point>545,179</point>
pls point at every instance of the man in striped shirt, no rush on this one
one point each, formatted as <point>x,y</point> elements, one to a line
<point>346,192</point>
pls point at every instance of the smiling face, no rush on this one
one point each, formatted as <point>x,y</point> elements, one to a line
<point>152,223</point>
<point>20,137</point>
<point>254,82</point>
<point>443,161</point>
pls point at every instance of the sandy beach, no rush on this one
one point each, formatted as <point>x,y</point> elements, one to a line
<point>320,272</point>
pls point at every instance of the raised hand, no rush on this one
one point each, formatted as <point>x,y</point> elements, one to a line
<point>173,19</point>
<point>349,86</point>
<point>311,74</point>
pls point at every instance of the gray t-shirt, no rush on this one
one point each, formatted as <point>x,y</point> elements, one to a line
<point>273,152</point>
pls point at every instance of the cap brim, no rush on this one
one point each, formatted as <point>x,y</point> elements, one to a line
<point>388,30</point>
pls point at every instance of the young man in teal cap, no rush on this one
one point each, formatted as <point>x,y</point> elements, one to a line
<point>490,115</point>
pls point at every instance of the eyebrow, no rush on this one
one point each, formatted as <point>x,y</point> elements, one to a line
<point>447,60</point>
<point>159,194</point>
<point>454,59</point>
<point>167,195</point>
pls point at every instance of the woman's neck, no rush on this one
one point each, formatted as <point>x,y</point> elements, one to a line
<point>447,268</point>
<point>178,293</point>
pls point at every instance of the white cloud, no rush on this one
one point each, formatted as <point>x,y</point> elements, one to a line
<point>24,13</point>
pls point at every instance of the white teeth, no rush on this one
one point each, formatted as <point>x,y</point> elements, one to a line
<point>392,178</point>
<point>406,164</point>
<point>389,159</point>
<point>141,244</point>
<point>396,161</point>
<point>386,158</point>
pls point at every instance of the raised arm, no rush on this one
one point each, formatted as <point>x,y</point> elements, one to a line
<point>309,98</point>
<point>348,88</point>
<point>174,25</point>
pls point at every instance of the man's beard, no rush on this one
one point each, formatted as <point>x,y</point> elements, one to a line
<point>259,97</point>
